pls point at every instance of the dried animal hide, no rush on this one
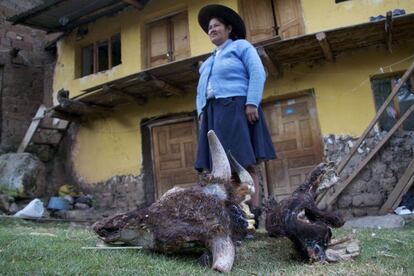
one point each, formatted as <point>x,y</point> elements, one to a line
<point>206,215</point>
<point>299,218</point>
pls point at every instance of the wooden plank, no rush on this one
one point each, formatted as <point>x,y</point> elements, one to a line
<point>326,48</point>
<point>166,87</point>
<point>399,190</point>
<point>394,92</point>
<point>32,129</point>
<point>329,198</point>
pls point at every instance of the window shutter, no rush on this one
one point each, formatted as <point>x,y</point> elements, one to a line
<point>180,39</point>
<point>258,17</point>
<point>158,43</point>
<point>289,18</point>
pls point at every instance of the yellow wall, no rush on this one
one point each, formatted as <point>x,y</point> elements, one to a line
<point>325,14</point>
<point>111,145</point>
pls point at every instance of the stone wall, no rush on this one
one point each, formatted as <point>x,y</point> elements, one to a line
<point>22,69</point>
<point>370,189</point>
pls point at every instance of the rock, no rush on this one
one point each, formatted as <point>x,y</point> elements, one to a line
<point>81,206</point>
<point>13,208</point>
<point>387,221</point>
<point>5,203</point>
<point>22,175</point>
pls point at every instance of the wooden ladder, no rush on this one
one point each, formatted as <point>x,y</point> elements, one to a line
<point>36,126</point>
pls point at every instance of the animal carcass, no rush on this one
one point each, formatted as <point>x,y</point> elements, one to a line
<point>299,219</point>
<point>207,215</point>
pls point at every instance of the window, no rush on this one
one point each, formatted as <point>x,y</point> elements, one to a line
<point>267,18</point>
<point>167,39</point>
<point>101,55</point>
<point>382,88</point>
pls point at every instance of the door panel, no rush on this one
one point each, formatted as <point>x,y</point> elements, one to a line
<point>174,149</point>
<point>297,139</point>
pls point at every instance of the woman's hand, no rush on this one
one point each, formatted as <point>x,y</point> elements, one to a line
<point>252,114</point>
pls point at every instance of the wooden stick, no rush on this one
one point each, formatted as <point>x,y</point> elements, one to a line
<point>111,247</point>
<point>329,198</point>
<point>399,190</point>
<point>47,219</point>
<point>394,92</point>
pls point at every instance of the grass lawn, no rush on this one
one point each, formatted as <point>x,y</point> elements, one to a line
<point>55,249</point>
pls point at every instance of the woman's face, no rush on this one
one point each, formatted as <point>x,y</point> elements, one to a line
<point>218,32</point>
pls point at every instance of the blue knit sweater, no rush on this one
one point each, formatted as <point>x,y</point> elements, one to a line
<point>236,71</point>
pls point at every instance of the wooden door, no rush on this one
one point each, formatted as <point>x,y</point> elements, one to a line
<point>180,39</point>
<point>174,150</point>
<point>295,133</point>
<point>289,18</point>
<point>259,18</point>
<point>158,43</point>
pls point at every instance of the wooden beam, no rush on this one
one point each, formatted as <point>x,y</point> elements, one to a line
<point>399,190</point>
<point>338,188</point>
<point>77,107</point>
<point>394,92</point>
<point>134,3</point>
<point>136,98</point>
<point>166,87</point>
<point>326,48</point>
<point>272,66</point>
<point>388,30</point>
<point>32,128</point>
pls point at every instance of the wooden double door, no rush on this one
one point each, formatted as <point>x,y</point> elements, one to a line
<point>294,129</point>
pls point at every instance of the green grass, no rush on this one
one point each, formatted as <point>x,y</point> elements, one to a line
<point>28,248</point>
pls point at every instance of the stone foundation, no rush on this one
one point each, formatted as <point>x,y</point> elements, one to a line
<point>370,189</point>
<point>120,193</point>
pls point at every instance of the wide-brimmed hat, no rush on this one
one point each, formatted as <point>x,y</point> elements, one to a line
<point>230,16</point>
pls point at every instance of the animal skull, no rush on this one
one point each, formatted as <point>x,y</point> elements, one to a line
<point>200,215</point>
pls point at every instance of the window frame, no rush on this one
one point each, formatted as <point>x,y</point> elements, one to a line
<point>95,54</point>
<point>396,104</point>
<point>170,36</point>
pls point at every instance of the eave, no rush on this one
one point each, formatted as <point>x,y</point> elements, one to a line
<point>180,77</point>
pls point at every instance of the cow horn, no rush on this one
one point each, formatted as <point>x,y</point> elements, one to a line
<point>221,166</point>
<point>244,175</point>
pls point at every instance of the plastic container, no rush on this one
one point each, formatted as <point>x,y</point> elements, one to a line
<point>58,203</point>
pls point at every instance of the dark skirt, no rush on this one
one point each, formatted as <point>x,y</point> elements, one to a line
<point>248,143</point>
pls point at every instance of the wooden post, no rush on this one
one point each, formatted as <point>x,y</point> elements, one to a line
<point>32,129</point>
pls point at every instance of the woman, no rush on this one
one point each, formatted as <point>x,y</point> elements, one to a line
<point>229,93</point>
